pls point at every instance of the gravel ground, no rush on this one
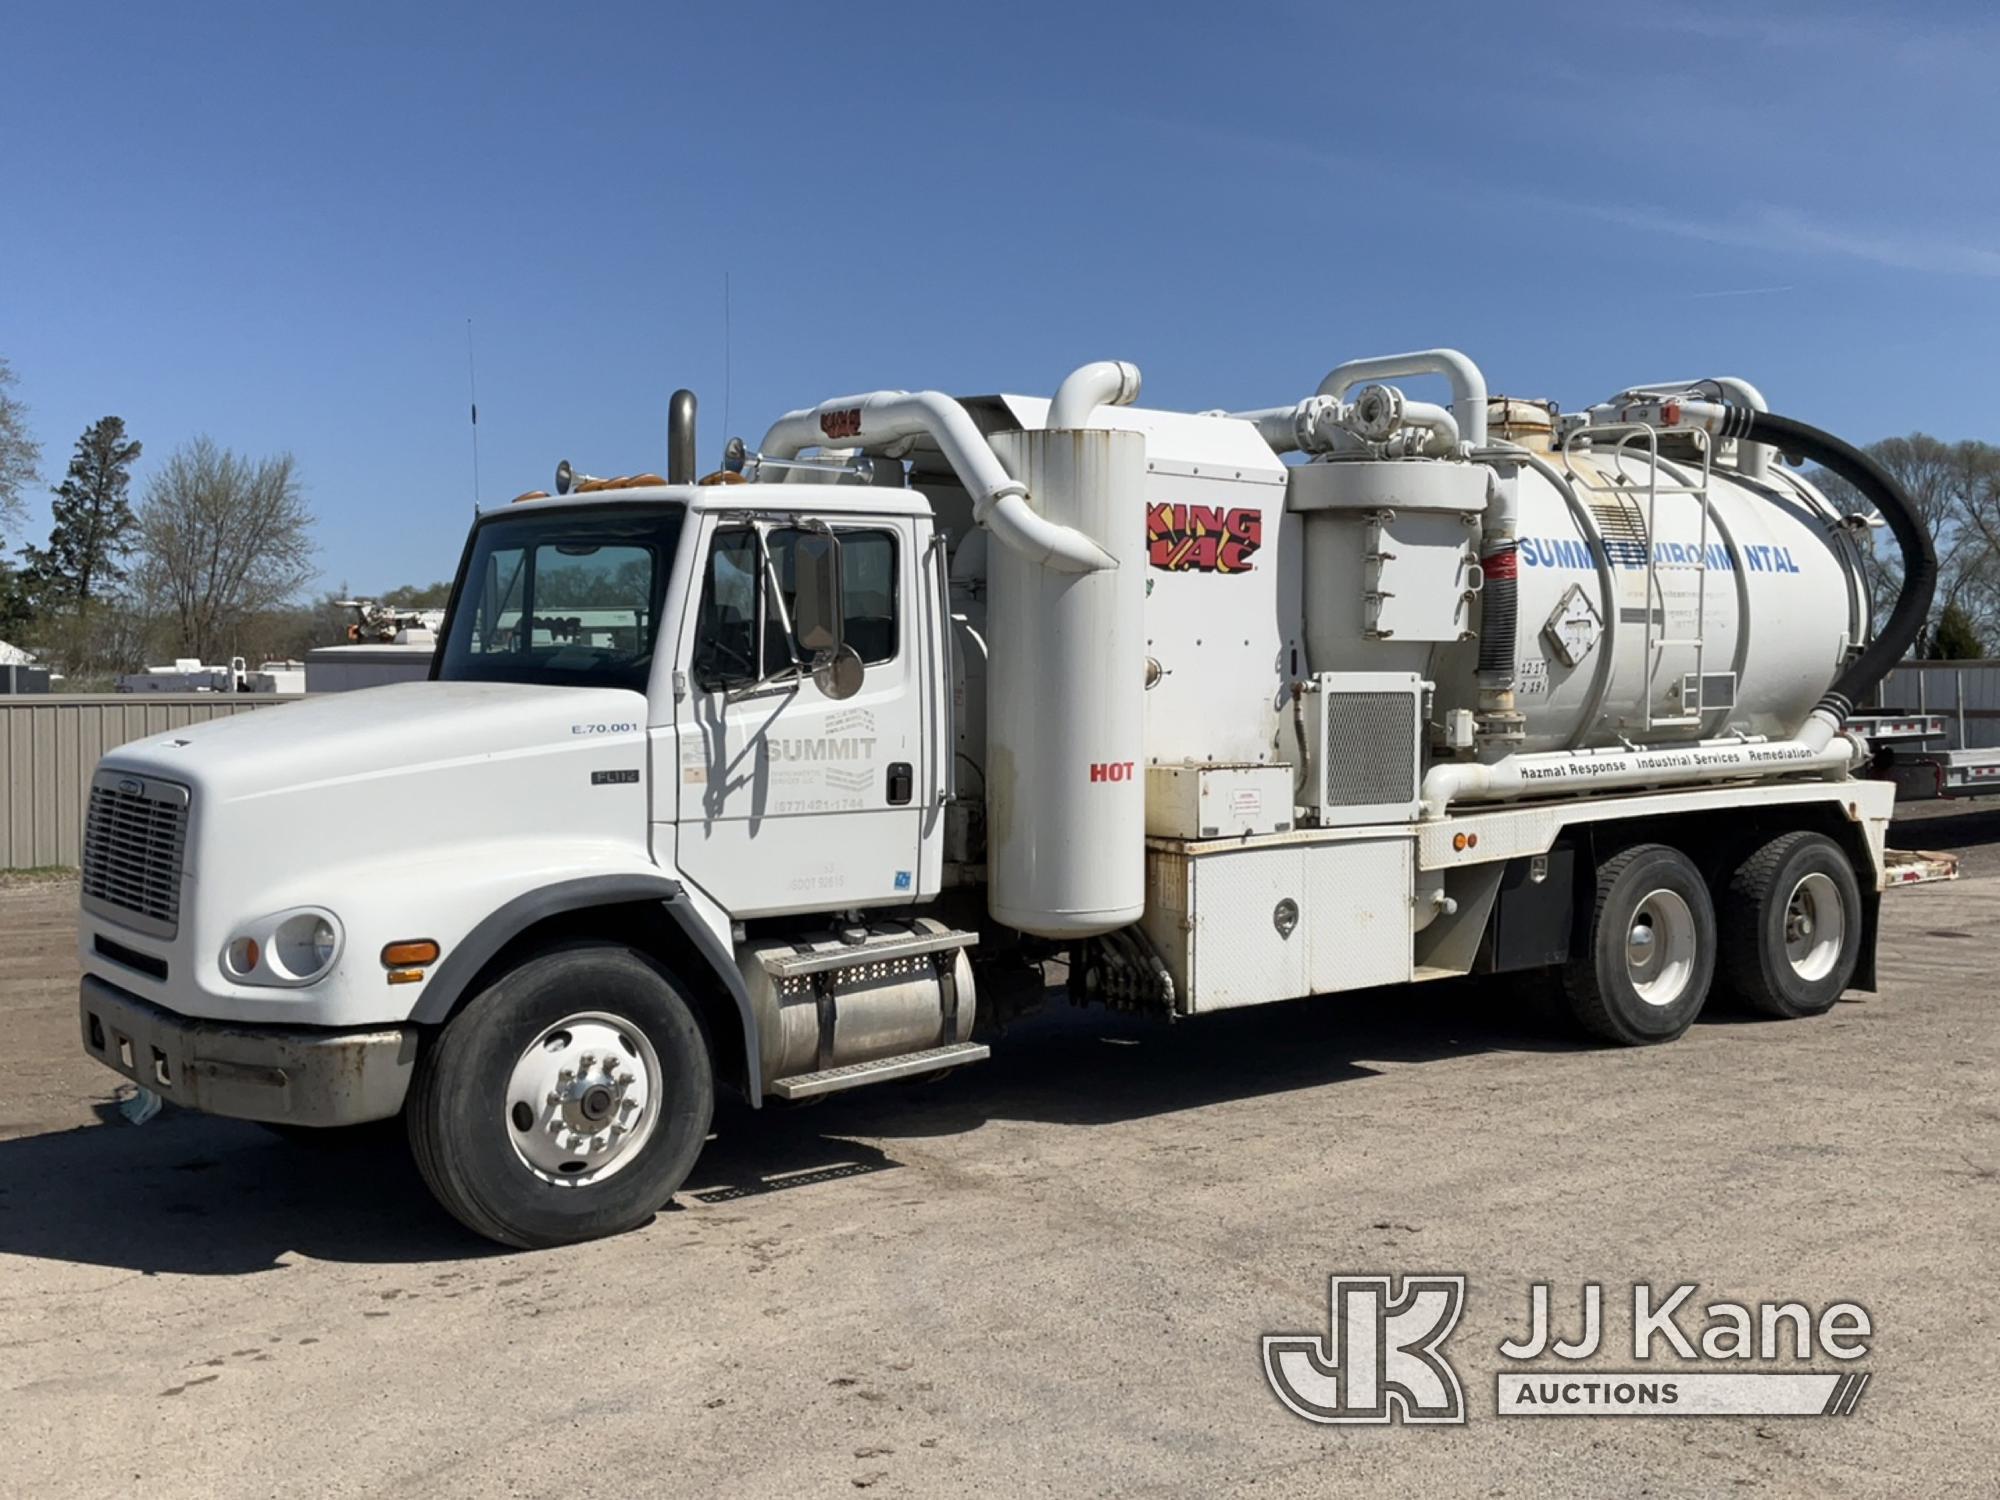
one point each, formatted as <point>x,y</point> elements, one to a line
<point>1047,1274</point>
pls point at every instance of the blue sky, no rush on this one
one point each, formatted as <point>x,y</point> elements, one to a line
<point>270,223</point>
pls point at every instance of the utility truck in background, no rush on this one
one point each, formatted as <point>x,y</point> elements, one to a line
<point>786,779</point>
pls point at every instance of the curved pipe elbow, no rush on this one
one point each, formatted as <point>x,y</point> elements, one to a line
<point>791,434</point>
<point>1104,382</point>
<point>1440,424</point>
<point>881,418</point>
<point>1020,529</point>
<point>1753,459</point>
<point>1468,385</point>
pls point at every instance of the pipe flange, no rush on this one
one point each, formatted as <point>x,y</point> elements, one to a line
<point>1377,413</point>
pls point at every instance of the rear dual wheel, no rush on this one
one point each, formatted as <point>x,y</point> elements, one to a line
<point>1791,936</point>
<point>1785,942</point>
<point>1643,968</point>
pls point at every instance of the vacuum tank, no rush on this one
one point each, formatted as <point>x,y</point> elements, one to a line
<point>1648,608</point>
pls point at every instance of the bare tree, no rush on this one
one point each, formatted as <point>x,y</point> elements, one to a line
<point>224,539</point>
<point>20,454</point>
<point>1956,487</point>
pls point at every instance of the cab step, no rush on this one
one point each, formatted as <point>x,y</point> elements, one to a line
<point>881,1070</point>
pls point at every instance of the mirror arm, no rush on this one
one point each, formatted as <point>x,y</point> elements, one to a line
<point>777,598</point>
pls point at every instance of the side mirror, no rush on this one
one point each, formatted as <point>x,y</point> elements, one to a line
<point>818,611</point>
<point>838,674</point>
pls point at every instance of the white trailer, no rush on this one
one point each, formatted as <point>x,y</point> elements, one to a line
<point>783,780</point>
<point>189,675</point>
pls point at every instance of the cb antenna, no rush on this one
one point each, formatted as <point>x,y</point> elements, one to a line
<point>472,393</point>
<point>725,354</point>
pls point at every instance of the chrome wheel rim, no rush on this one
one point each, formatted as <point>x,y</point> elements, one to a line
<point>1815,927</point>
<point>1659,947</point>
<point>583,1099</point>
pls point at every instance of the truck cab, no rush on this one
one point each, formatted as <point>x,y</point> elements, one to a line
<point>657,713</point>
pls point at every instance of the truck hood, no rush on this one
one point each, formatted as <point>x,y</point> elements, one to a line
<point>382,732</point>
<point>407,811</point>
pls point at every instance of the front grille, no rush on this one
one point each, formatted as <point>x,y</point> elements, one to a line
<point>134,835</point>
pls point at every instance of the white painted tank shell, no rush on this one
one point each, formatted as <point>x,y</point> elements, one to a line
<point>1065,742</point>
<point>1781,606</point>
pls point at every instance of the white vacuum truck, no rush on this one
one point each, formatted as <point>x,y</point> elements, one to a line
<point>780,780</point>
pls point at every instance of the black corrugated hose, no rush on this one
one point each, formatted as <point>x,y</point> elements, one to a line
<point>1498,605</point>
<point>1913,606</point>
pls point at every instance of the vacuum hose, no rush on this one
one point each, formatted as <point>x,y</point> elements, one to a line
<point>1913,605</point>
<point>1500,607</point>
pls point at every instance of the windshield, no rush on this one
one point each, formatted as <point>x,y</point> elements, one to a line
<point>569,598</point>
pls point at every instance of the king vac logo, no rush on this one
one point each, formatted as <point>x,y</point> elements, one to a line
<point>1380,1361</point>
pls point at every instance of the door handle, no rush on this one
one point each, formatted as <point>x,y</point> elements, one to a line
<point>902,782</point>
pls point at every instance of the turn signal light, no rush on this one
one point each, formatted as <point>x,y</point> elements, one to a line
<point>412,954</point>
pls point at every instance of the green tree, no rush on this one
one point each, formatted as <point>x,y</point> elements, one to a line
<point>1955,639</point>
<point>93,522</point>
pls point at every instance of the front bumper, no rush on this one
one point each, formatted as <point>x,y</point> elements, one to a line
<point>289,1074</point>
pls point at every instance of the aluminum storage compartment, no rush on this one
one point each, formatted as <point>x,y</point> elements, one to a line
<point>1217,801</point>
<point>1249,924</point>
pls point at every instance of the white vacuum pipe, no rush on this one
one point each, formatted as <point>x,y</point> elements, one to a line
<point>880,420</point>
<point>1468,385</point>
<point>1106,382</point>
<point>1434,420</point>
<point>1819,748</point>
<point>1753,460</point>
<point>1316,425</point>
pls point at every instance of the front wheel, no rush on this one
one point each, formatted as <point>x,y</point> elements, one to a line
<point>1647,956</point>
<point>1791,933</point>
<point>565,1102</point>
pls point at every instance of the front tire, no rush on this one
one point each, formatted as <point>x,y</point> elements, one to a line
<point>565,1102</point>
<point>1791,936</point>
<point>1648,951</point>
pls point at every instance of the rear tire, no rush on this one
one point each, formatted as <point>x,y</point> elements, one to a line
<point>1791,929</point>
<point>565,1102</point>
<point>1647,954</point>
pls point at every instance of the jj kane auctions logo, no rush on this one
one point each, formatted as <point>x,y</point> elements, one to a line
<point>1382,1358</point>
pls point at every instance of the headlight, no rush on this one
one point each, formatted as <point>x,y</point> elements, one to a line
<point>287,948</point>
<point>303,946</point>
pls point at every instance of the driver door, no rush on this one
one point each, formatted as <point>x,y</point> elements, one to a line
<point>791,800</point>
